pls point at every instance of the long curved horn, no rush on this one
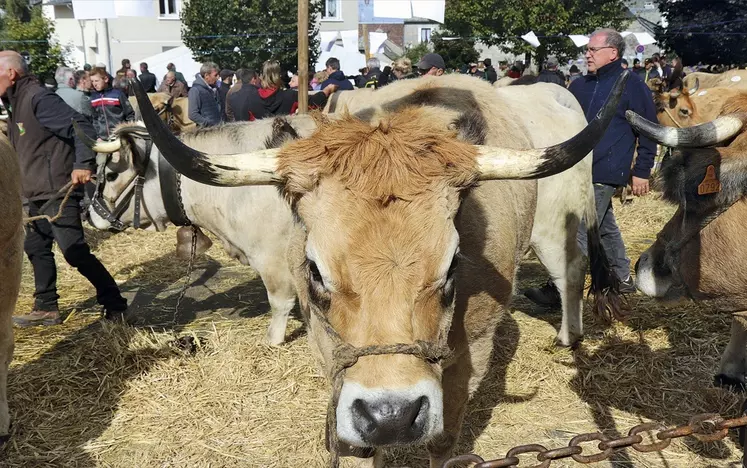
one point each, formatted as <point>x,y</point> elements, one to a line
<point>695,88</point>
<point>503,163</point>
<point>257,168</point>
<point>699,136</point>
<point>98,146</point>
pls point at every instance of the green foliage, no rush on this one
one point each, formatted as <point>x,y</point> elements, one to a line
<point>416,53</point>
<point>708,31</point>
<point>35,37</point>
<point>502,22</point>
<point>455,52</point>
<point>18,9</point>
<point>261,29</point>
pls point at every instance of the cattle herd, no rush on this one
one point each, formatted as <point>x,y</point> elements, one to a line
<point>402,217</point>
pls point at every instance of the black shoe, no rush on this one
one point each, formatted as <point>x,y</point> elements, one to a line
<point>123,317</point>
<point>628,286</point>
<point>548,295</point>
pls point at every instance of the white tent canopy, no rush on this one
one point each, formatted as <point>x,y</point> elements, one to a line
<point>181,57</point>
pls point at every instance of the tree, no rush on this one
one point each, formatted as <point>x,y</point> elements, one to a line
<point>415,53</point>
<point>455,52</point>
<point>245,33</point>
<point>708,31</point>
<point>503,22</point>
<point>35,38</point>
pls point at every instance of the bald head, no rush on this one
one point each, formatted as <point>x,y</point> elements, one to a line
<point>11,60</point>
<point>12,68</point>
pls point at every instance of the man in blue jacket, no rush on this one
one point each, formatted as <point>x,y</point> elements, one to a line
<point>613,155</point>
<point>336,76</point>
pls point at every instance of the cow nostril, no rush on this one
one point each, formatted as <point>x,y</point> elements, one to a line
<point>391,421</point>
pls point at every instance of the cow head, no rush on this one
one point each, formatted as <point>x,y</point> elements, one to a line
<point>674,106</point>
<point>661,271</point>
<point>377,254</point>
<point>119,161</point>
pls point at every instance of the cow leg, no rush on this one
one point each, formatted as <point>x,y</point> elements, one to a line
<point>10,272</point>
<point>282,297</point>
<point>734,359</point>
<point>558,251</point>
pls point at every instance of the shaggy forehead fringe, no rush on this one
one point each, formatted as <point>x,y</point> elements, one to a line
<point>399,155</point>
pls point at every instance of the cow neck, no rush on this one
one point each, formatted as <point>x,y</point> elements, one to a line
<point>171,193</point>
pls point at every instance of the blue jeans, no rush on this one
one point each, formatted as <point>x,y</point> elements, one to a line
<point>609,231</point>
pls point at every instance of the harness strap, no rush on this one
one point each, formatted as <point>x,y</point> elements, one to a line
<point>171,193</point>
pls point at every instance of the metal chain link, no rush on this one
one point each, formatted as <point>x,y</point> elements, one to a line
<point>187,279</point>
<point>707,427</point>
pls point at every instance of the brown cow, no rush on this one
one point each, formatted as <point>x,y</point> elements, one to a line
<point>397,244</point>
<point>700,252</point>
<point>728,79</point>
<point>11,252</point>
<point>174,112</point>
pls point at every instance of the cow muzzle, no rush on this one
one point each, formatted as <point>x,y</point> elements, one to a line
<point>651,279</point>
<point>374,417</point>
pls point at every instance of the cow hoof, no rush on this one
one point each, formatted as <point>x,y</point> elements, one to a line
<point>571,342</point>
<point>274,339</point>
<point>736,385</point>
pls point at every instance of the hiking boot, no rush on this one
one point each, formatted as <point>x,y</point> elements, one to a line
<point>38,317</point>
<point>628,286</point>
<point>123,317</point>
<point>548,295</point>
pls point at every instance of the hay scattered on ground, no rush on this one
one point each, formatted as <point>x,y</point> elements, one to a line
<point>84,394</point>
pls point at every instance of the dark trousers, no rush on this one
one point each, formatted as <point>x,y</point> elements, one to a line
<point>67,231</point>
<point>609,231</point>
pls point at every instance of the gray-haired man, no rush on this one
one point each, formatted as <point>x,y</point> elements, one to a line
<point>66,89</point>
<point>204,103</point>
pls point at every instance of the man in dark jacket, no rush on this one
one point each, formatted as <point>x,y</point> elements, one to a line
<point>550,73</point>
<point>490,74</point>
<point>336,76</point>
<point>110,105</point>
<point>147,79</point>
<point>50,155</point>
<point>204,102</point>
<point>371,78</point>
<point>613,155</point>
<point>244,103</point>
<point>226,80</point>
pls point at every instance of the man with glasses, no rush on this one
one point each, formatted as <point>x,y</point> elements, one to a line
<point>431,64</point>
<point>613,155</point>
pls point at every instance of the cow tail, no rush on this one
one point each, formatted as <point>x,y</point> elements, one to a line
<point>605,286</point>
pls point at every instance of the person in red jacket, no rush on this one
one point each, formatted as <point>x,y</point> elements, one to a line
<point>275,100</point>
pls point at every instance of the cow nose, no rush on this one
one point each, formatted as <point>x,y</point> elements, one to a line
<point>391,422</point>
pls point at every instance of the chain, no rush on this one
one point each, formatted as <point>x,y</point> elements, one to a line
<point>707,427</point>
<point>190,266</point>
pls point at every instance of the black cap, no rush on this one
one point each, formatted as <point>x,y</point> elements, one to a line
<point>431,60</point>
<point>226,73</point>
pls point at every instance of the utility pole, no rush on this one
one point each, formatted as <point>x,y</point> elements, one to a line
<point>303,56</point>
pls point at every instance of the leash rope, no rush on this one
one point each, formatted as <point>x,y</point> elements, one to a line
<point>67,189</point>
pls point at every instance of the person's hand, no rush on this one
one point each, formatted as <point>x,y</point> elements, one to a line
<point>640,186</point>
<point>80,176</point>
<point>329,89</point>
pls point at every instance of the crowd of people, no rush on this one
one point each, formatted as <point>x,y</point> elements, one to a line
<point>40,126</point>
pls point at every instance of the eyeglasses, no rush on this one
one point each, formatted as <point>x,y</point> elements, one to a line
<point>594,50</point>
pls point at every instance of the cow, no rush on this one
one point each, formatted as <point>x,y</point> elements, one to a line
<point>174,112</point>
<point>11,255</point>
<point>412,216</point>
<point>252,223</point>
<point>728,79</point>
<point>699,254</point>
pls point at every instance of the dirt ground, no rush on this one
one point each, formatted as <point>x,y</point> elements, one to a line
<point>85,394</point>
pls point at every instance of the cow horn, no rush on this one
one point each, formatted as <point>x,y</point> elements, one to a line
<point>699,136</point>
<point>503,163</point>
<point>98,146</point>
<point>259,167</point>
<point>694,88</point>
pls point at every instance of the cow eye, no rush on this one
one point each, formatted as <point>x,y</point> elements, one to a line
<point>685,112</point>
<point>112,176</point>
<point>448,288</point>
<point>316,277</point>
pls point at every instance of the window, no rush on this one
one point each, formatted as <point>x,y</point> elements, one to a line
<point>168,8</point>
<point>425,34</point>
<point>332,10</point>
